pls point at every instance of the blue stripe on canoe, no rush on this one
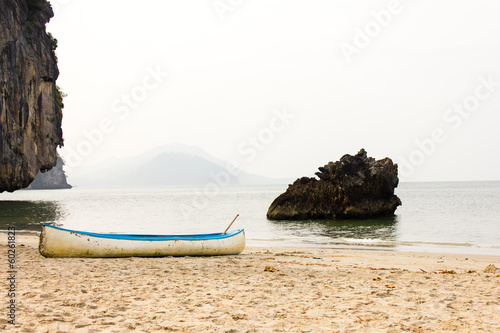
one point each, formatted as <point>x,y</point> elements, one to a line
<point>141,237</point>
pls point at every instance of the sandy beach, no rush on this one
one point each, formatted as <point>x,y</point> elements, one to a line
<point>260,290</point>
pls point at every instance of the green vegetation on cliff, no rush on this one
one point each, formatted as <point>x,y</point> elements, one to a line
<point>35,8</point>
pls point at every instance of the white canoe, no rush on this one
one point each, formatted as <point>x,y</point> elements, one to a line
<point>59,242</point>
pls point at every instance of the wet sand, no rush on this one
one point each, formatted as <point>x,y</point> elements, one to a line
<point>260,290</point>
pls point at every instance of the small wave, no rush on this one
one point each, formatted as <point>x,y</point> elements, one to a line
<point>364,240</point>
<point>413,243</point>
<point>268,239</point>
<point>489,246</point>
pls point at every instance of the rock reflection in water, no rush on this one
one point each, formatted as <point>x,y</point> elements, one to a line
<point>378,231</point>
<point>28,215</point>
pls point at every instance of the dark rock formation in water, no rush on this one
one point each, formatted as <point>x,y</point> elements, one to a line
<point>30,102</point>
<point>354,187</point>
<point>53,179</point>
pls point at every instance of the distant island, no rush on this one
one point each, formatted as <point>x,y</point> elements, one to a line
<point>354,187</point>
<point>53,179</point>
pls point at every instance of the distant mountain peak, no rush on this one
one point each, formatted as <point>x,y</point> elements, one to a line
<point>178,168</point>
<point>170,164</point>
<point>176,147</point>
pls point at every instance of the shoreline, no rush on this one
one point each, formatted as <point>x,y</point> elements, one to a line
<point>259,290</point>
<point>375,254</point>
<point>32,237</point>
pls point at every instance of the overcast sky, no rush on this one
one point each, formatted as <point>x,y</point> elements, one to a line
<point>282,87</point>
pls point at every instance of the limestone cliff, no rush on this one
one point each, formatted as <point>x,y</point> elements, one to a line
<point>354,187</point>
<point>30,102</point>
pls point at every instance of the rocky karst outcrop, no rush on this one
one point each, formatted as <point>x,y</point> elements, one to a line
<point>53,179</point>
<point>354,187</point>
<point>30,102</point>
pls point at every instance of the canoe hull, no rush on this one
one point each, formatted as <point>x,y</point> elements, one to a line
<point>58,242</point>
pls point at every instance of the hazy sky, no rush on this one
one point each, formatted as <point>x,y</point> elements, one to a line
<point>282,86</point>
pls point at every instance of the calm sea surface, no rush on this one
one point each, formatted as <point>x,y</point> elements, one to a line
<point>453,217</point>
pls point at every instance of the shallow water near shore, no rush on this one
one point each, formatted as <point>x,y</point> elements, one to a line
<point>449,217</point>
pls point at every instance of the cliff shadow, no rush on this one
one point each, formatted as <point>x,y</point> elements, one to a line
<point>28,215</point>
<point>380,232</point>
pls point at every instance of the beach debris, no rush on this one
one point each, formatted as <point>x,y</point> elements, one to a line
<point>448,272</point>
<point>423,270</point>
<point>318,258</point>
<point>390,286</point>
<point>269,268</point>
<point>377,278</point>
<point>315,264</point>
<point>490,269</point>
<point>293,254</point>
<point>239,316</point>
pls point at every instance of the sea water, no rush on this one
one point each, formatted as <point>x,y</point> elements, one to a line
<point>453,217</point>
